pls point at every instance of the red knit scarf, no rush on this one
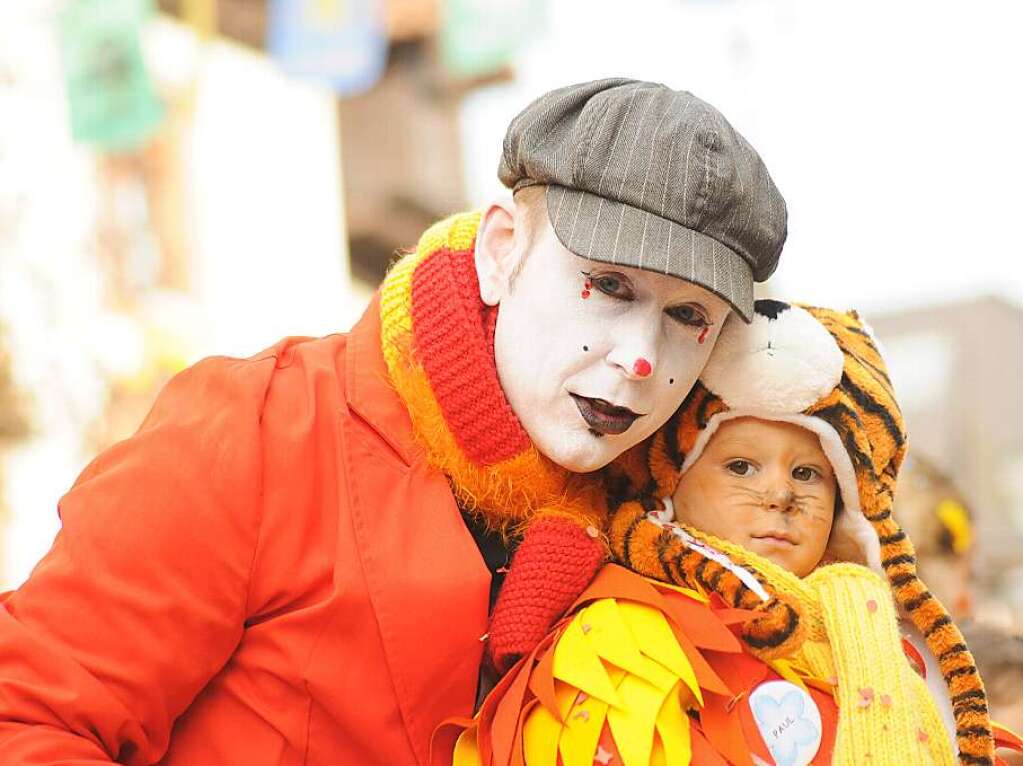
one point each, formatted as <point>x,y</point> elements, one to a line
<point>438,341</point>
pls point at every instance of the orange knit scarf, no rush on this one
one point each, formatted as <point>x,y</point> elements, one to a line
<point>438,341</point>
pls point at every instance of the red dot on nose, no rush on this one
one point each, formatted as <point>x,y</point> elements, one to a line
<point>642,367</point>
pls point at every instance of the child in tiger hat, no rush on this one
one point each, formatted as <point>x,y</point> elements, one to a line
<point>780,468</point>
<point>769,491</point>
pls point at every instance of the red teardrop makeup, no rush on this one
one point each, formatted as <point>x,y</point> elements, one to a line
<point>640,364</point>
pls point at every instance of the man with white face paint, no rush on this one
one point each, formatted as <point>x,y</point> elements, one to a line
<point>611,366</point>
<point>300,557</point>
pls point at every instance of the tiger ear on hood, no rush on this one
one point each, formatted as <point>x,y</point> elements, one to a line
<point>784,361</point>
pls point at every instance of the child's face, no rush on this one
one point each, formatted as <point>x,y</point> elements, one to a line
<point>766,486</point>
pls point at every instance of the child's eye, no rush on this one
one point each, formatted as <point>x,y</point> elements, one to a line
<point>689,314</point>
<point>740,467</point>
<point>805,473</point>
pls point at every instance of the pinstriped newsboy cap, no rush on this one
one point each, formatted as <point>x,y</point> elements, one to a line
<point>645,176</point>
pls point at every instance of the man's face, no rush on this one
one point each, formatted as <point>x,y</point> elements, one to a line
<point>595,357</point>
<point>766,486</point>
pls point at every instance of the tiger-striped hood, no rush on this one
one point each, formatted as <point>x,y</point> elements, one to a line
<point>823,370</point>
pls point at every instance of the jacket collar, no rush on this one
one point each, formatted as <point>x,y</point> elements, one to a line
<point>430,623</point>
<point>368,388</point>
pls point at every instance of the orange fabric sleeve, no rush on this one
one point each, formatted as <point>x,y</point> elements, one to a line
<point>142,598</point>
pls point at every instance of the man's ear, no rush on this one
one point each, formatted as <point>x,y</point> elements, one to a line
<point>495,251</point>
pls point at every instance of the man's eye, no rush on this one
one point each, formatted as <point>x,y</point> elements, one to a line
<point>804,473</point>
<point>611,284</point>
<point>740,467</point>
<point>689,315</point>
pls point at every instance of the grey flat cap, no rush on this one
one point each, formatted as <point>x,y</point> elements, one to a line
<point>645,176</point>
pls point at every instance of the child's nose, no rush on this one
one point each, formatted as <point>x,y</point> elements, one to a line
<point>779,497</point>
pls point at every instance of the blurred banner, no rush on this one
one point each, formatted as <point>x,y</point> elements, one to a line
<point>112,100</point>
<point>338,42</point>
<point>200,15</point>
<point>481,36</point>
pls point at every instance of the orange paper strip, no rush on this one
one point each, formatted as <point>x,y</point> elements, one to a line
<point>721,725</point>
<point>703,753</point>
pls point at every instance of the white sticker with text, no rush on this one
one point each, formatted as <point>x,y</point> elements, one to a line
<point>789,722</point>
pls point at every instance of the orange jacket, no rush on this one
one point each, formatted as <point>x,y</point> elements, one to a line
<point>266,573</point>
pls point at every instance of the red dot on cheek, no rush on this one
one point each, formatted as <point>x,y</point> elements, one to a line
<point>642,367</point>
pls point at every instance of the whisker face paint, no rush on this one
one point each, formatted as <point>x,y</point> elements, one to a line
<point>748,471</point>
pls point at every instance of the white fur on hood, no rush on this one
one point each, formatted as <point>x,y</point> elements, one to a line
<point>780,365</point>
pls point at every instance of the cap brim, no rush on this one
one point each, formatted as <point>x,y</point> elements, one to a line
<point>611,232</point>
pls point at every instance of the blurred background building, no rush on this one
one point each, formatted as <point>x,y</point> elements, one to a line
<point>190,177</point>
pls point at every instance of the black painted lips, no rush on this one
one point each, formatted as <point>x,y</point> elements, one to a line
<point>603,417</point>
